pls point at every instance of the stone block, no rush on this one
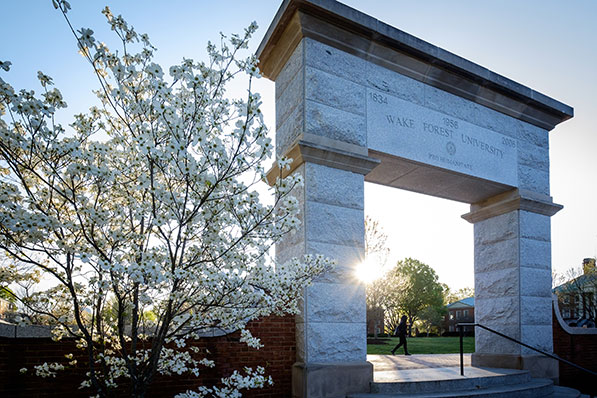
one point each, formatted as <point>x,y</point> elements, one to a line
<point>532,134</point>
<point>534,156</point>
<point>535,282</point>
<point>500,361</point>
<point>535,254</point>
<point>348,257</point>
<point>334,224</point>
<point>489,343</point>
<point>535,310</point>
<point>334,91</point>
<point>494,256</point>
<point>301,340</point>
<point>533,179</point>
<point>418,133</point>
<point>535,226</point>
<point>470,111</point>
<point>8,330</point>
<point>38,331</point>
<point>288,252</point>
<point>496,121</point>
<point>450,104</point>
<point>541,367</point>
<point>337,62</point>
<point>537,336</point>
<point>290,99</point>
<point>334,342</point>
<point>293,66</point>
<point>296,237</point>
<point>333,380</point>
<point>292,239</point>
<point>335,302</point>
<point>290,130</point>
<point>333,123</point>
<point>334,186</point>
<point>393,83</point>
<point>497,312</point>
<point>497,283</point>
<point>298,191</point>
<point>496,229</point>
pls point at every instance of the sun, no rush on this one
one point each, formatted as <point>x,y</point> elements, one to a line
<point>369,270</point>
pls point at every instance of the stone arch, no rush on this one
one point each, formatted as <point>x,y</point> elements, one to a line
<point>358,100</point>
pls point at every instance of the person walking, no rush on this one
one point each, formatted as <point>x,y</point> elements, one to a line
<point>401,329</point>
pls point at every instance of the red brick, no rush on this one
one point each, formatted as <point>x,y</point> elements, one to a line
<point>277,356</point>
<point>578,349</point>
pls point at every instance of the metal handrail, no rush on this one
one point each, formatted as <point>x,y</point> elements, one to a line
<point>461,325</point>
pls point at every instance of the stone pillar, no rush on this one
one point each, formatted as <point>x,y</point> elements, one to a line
<point>513,281</point>
<point>320,124</point>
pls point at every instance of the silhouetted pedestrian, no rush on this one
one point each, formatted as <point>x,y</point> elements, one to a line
<point>401,331</point>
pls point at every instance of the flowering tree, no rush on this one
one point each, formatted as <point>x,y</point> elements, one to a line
<point>148,205</point>
<point>376,252</point>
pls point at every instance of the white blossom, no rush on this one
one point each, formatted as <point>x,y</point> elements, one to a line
<point>147,213</point>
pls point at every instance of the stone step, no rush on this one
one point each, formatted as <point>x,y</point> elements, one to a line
<point>414,381</point>
<point>566,392</point>
<point>531,389</point>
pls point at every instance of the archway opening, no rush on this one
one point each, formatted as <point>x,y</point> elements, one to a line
<point>430,230</point>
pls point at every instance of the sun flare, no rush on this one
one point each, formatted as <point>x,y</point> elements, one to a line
<point>369,270</point>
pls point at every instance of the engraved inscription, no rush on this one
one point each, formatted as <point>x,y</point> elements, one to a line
<point>401,121</point>
<point>483,146</point>
<point>439,130</point>
<point>451,162</point>
<point>414,132</point>
<point>379,98</point>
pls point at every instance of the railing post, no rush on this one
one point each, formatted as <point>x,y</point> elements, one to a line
<point>460,332</point>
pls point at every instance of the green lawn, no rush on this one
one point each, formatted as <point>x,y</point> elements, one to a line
<point>424,345</point>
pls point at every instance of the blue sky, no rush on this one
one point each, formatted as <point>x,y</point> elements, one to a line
<point>547,45</point>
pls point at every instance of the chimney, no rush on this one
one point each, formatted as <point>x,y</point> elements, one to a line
<point>588,265</point>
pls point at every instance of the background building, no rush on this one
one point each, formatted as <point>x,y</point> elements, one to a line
<point>462,311</point>
<point>577,297</point>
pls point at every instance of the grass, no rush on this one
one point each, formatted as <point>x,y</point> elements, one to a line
<point>424,345</point>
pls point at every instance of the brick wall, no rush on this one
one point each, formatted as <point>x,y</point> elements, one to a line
<point>578,346</point>
<point>277,356</point>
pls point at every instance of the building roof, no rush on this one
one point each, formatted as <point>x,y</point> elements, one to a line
<point>574,284</point>
<point>467,302</point>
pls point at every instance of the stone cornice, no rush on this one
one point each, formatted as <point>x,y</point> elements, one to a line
<point>516,199</point>
<point>345,28</point>
<point>327,152</point>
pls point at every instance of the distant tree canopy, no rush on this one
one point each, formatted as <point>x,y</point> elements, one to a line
<point>451,296</point>
<point>421,288</point>
<point>411,288</point>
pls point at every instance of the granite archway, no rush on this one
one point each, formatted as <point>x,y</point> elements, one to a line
<point>358,100</point>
